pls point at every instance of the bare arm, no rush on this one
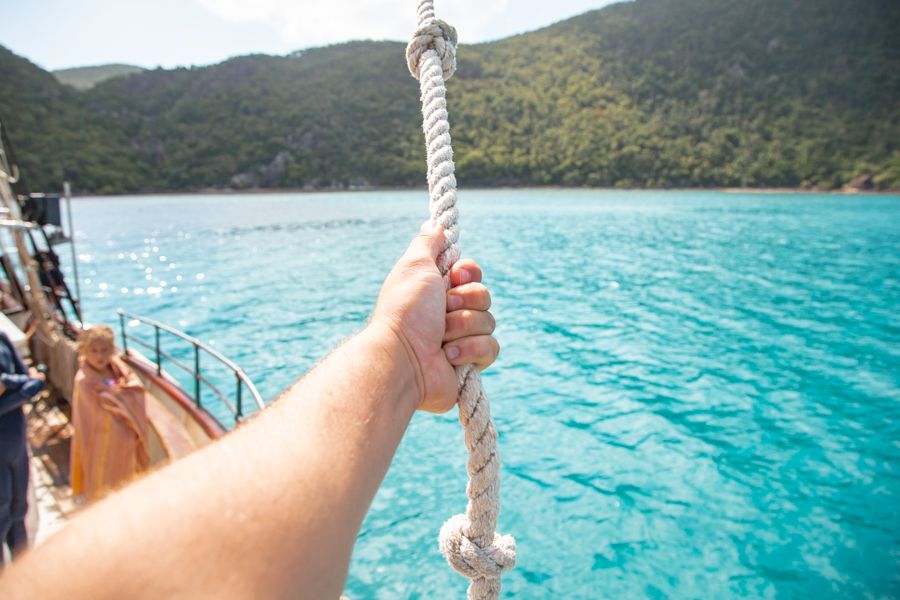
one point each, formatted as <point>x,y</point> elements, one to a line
<point>273,509</point>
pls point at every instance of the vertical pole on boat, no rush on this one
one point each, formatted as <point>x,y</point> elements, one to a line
<point>197,374</point>
<point>67,192</point>
<point>240,409</point>
<point>124,337</point>
<point>158,358</point>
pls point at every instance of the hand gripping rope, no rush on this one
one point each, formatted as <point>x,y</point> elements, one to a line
<point>469,541</point>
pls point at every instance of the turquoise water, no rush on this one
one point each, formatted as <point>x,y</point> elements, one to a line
<point>698,394</point>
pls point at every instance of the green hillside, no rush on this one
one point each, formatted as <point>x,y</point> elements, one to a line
<point>83,78</point>
<point>653,93</point>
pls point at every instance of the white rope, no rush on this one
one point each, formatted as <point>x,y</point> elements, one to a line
<point>469,541</point>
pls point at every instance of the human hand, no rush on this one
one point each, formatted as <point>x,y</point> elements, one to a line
<point>35,374</point>
<point>440,328</point>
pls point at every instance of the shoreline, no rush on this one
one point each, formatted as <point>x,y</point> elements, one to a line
<point>356,189</point>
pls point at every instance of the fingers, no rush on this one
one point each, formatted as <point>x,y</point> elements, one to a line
<point>465,271</point>
<point>472,296</point>
<point>469,325</point>
<point>481,350</point>
<point>465,323</point>
<point>428,243</point>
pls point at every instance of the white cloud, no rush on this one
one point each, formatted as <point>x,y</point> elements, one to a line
<point>310,23</point>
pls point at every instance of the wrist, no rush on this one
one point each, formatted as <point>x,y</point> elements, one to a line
<point>401,358</point>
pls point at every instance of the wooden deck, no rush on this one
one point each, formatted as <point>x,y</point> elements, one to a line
<point>50,497</point>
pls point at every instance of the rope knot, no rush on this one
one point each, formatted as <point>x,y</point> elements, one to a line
<point>469,558</point>
<point>436,35</point>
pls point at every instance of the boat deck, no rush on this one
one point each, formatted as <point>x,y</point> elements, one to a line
<point>50,497</point>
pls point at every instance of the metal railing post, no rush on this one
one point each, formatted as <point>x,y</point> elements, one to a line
<point>124,337</point>
<point>197,374</point>
<point>240,409</point>
<point>158,357</point>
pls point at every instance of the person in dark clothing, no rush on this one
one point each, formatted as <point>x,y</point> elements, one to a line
<point>18,384</point>
<point>50,275</point>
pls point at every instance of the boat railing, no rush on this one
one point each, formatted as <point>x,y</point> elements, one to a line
<point>241,380</point>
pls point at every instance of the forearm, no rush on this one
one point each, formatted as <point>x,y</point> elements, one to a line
<point>355,408</point>
<point>13,400</point>
<point>13,380</point>
<point>270,511</point>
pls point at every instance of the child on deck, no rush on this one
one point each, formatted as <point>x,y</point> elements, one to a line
<point>109,444</point>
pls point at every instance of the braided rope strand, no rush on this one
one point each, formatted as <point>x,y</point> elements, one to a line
<point>469,541</point>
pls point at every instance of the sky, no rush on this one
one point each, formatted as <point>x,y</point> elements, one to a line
<point>57,34</point>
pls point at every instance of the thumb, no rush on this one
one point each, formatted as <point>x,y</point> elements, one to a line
<point>428,243</point>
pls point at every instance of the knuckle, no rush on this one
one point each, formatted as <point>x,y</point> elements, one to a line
<point>463,263</point>
<point>455,323</point>
<point>473,288</point>
<point>477,296</point>
<point>466,320</point>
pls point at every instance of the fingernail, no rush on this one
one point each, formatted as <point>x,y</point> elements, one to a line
<point>452,352</point>
<point>454,302</point>
<point>465,276</point>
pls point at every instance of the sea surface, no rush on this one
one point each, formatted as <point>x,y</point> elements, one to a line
<point>698,393</point>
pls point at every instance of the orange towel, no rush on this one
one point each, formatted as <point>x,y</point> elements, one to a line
<point>109,445</point>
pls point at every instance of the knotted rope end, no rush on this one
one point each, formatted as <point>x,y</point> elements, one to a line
<point>437,35</point>
<point>470,559</point>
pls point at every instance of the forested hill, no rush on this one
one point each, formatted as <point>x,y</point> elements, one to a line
<point>649,93</point>
<point>83,78</point>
